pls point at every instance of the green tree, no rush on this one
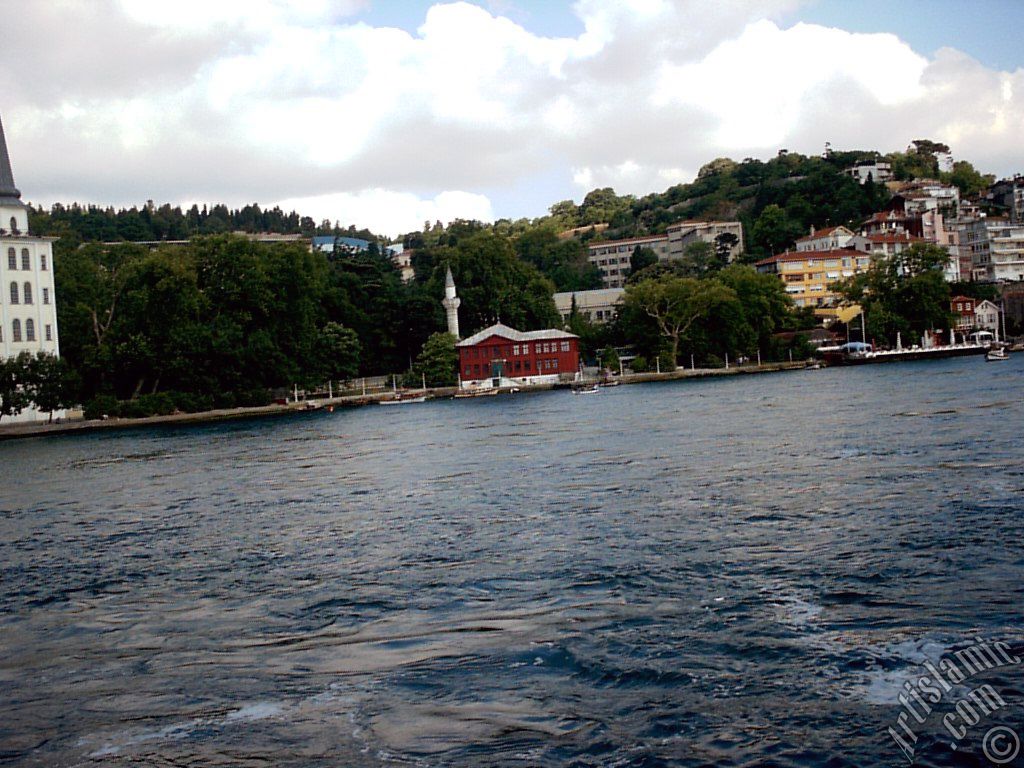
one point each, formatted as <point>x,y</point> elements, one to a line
<point>493,284</point>
<point>14,394</point>
<point>967,179</point>
<point>641,259</point>
<point>438,361</point>
<point>338,351</point>
<point>674,304</point>
<point>50,383</point>
<point>763,302</point>
<point>774,231</point>
<point>905,293</point>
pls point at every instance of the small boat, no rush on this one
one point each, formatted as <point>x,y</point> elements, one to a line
<point>996,354</point>
<point>484,392</point>
<point>610,383</point>
<point>313,405</point>
<point>403,399</point>
<point>586,390</point>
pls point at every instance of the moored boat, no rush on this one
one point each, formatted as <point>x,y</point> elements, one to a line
<point>482,392</point>
<point>996,354</point>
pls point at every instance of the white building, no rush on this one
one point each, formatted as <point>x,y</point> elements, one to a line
<point>996,249</point>
<point>986,316</point>
<point>830,239</point>
<point>877,171</point>
<point>28,309</point>
<point>612,257</point>
<point>725,234</point>
<point>598,306</point>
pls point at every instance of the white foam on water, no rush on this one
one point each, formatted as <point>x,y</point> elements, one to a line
<point>260,710</point>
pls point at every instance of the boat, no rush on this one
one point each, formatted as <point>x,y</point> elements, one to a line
<point>589,389</point>
<point>855,353</point>
<point>403,398</point>
<point>610,383</point>
<point>997,352</point>
<point>482,392</point>
<point>313,405</point>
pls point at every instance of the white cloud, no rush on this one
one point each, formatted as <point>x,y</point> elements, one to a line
<point>269,100</point>
<point>391,213</point>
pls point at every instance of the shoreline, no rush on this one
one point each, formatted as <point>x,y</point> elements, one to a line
<point>42,429</point>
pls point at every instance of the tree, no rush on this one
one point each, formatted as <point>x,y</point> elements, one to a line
<point>641,259</point>
<point>50,382</point>
<point>675,304</point>
<point>338,352</point>
<point>763,301</point>
<point>14,395</point>
<point>438,360</point>
<point>564,262</point>
<point>774,231</point>
<point>493,284</point>
<point>969,181</point>
<point>905,294</point>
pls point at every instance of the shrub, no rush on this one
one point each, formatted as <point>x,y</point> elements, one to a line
<point>102,405</point>
<point>254,398</point>
<point>225,400</point>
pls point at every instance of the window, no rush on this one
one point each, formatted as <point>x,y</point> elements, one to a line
<point>14,293</point>
<point>537,349</point>
<point>28,293</point>
<point>515,349</point>
<point>30,330</point>
<point>526,364</point>
<point>468,370</point>
<point>16,331</point>
<point>26,262</point>
<point>12,259</point>
<point>14,224</point>
<point>49,332</point>
<point>42,261</point>
<point>46,295</point>
<point>565,344</point>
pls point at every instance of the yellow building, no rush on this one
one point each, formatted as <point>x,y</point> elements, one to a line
<point>808,275</point>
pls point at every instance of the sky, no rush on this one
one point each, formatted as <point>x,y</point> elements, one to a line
<point>389,113</point>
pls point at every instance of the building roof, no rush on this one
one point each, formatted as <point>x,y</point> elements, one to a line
<point>961,298</point>
<point>594,297</point>
<point>892,237</point>
<point>824,233</point>
<point>9,194</point>
<point>627,241</point>
<point>499,329</point>
<point>803,255</point>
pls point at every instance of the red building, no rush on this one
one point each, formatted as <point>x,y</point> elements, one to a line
<point>501,356</point>
<point>963,308</point>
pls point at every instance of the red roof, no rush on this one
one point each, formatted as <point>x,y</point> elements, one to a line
<point>822,233</point>
<point>894,237</point>
<point>802,255</point>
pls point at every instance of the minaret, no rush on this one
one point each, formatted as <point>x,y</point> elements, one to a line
<point>451,303</point>
<point>13,214</point>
